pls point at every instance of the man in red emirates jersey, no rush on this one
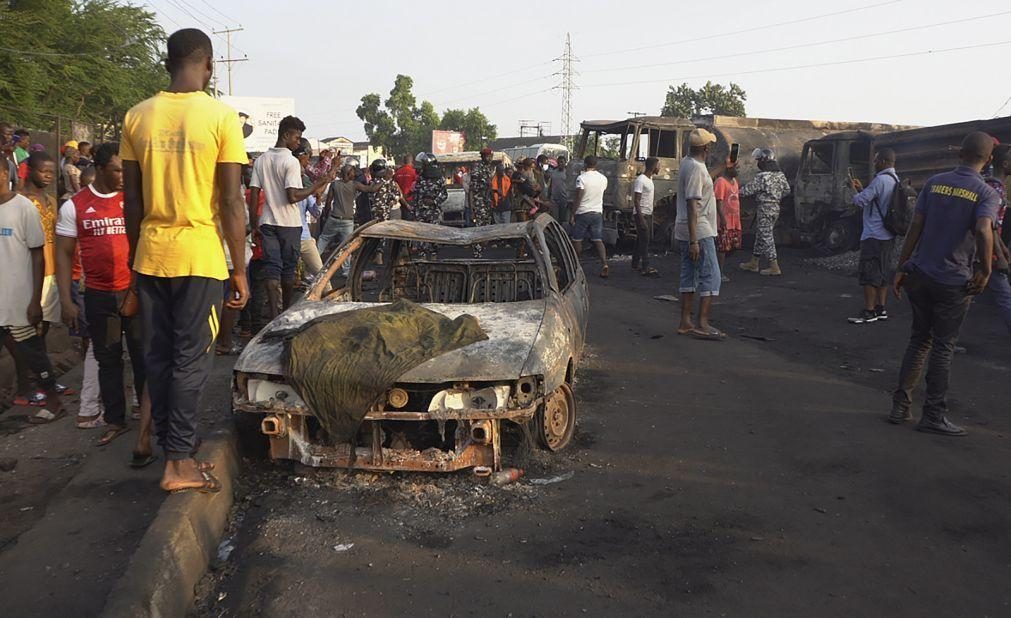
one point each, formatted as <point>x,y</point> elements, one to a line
<point>93,220</point>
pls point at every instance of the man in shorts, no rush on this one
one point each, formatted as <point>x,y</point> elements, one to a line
<point>695,230</point>
<point>876,242</point>
<point>588,216</point>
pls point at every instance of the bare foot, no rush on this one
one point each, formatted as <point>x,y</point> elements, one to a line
<point>183,474</point>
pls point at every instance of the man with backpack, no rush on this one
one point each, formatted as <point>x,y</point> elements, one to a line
<point>876,241</point>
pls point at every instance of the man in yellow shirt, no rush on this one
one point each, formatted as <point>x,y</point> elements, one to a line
<point>182,155</point>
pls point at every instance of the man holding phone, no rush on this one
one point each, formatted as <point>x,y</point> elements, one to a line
<point>952,227</point>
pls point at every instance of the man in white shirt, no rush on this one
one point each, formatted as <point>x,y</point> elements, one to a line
<point>695,231</point>
<point>279,230</point>
<point>642,206</point>
<point>588,217</point>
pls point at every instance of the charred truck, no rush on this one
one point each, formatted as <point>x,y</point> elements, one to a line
<point>823,210</point>
<point>622,146</point>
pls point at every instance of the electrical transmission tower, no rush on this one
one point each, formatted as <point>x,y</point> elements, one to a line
<point>567,85</point>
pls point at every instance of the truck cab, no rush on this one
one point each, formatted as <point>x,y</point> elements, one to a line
<point>621,148</point>
<point>823,196</point>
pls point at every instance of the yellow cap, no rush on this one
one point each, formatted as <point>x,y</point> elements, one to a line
<point>701,137</point>
<point>71,144</point>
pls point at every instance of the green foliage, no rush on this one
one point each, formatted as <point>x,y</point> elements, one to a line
<point>474,125</point>
<point>684,102</point>
<point>85,60</point>
<point>402,126</point>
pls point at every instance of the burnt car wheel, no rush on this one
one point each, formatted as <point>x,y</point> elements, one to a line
<point>556,419</point>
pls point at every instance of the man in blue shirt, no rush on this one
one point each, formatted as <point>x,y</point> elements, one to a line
<point>876,242</point>
<point>952,227</point>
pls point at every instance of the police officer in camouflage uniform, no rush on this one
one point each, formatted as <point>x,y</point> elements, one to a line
<point>429,194</point>
<point>480,193</point>
<point>385,203</point>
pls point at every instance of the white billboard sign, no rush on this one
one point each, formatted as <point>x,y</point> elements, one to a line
<point>259,117</point>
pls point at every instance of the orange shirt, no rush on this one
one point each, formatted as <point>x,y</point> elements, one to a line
<point>500,189</point>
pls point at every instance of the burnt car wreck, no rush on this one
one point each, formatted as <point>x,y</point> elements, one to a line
<point>527,292</point>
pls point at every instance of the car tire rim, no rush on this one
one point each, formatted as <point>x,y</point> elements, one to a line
<point>559,413</point>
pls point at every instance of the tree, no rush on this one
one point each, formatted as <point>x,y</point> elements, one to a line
<point>401,125</point>
<point>87,61</point>
<point>474,125</point>
<point>684,102</point>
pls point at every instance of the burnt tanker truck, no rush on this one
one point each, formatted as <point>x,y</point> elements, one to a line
<point>823,210</point>
<point>622,146</point>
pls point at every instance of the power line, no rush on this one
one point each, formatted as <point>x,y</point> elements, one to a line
<point>485,79</point>
<point>212,7</point>
<point>499,89</point>
<point>805,66</point>
<point>204,15</point>
<point>176,4</point>
<point>802,45</point>
<point>745,30</point>
<point>1001,108</point>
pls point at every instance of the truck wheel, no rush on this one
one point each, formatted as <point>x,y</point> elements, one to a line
<point>841,234</point>
<point>555,421</point>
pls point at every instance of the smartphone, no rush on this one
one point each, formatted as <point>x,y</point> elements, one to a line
<point>735,150</point>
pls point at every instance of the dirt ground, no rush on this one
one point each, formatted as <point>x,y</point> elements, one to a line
<point>750,477</point>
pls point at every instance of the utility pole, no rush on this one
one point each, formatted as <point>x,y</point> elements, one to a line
<point>229,60</point>
<point>567,85</point>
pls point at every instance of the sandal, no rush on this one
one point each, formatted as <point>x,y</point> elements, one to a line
<point>141,461</point>
<point>211,485</point>
<point>113,432</point>
<point>709,335</point>
<point>35,399</point>
<point>235,350</point>
<point>93,422</point>
<point>651,272</point>
<point>44,416</point>
<point>63,389</point>
<point>604,272</point>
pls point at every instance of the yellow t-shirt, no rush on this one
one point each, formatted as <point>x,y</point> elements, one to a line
<point>47,215</point>
<point>178,139</point>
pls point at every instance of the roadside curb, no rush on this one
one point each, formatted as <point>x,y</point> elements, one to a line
<point>183,538</point>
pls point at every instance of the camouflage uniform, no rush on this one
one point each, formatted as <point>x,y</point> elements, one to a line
<point>480,197</point>
<point>429,195</point>
<point>383,200</point>
<point>769,188</point>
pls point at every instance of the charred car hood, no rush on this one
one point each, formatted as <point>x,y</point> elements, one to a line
<point>512,329</point>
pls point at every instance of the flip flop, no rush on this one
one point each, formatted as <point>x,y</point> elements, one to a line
<point>651,272</point>
<point>141,461</point>
<point>604,272</point>
<point>62,389</point>
<point>211,485</point>
<point>35,399</point>
<point>685,331</point>
<point>708,335</point>
<point>93,423</point>
<point>44,416</point>
<point>235,350</point>
<point>111,434</point>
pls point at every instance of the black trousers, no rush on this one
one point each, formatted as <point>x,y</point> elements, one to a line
<point>181,318</point>
<point>108,329</point>
<point>938,313</point>
<point>31,349</point>
<point>643,237</point>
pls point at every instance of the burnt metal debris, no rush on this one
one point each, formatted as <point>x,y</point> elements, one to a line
<point>528,294</point>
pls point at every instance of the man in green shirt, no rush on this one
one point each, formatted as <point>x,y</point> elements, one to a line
<point>22,140</point>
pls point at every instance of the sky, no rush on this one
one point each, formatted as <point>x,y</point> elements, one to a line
<point>918,62</point>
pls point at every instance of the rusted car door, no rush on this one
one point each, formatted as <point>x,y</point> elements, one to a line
<point>570,284</point>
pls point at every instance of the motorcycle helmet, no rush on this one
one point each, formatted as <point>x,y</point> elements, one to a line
<point>378,167</point>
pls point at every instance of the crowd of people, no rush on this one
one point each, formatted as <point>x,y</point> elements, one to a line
<point>160,244</point>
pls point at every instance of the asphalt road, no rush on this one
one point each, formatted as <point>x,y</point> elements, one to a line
<point>750,477</point>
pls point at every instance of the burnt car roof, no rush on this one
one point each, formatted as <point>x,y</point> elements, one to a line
<point>442,234</point>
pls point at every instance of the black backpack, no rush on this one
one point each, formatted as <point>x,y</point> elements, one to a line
<point>899,214</point>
